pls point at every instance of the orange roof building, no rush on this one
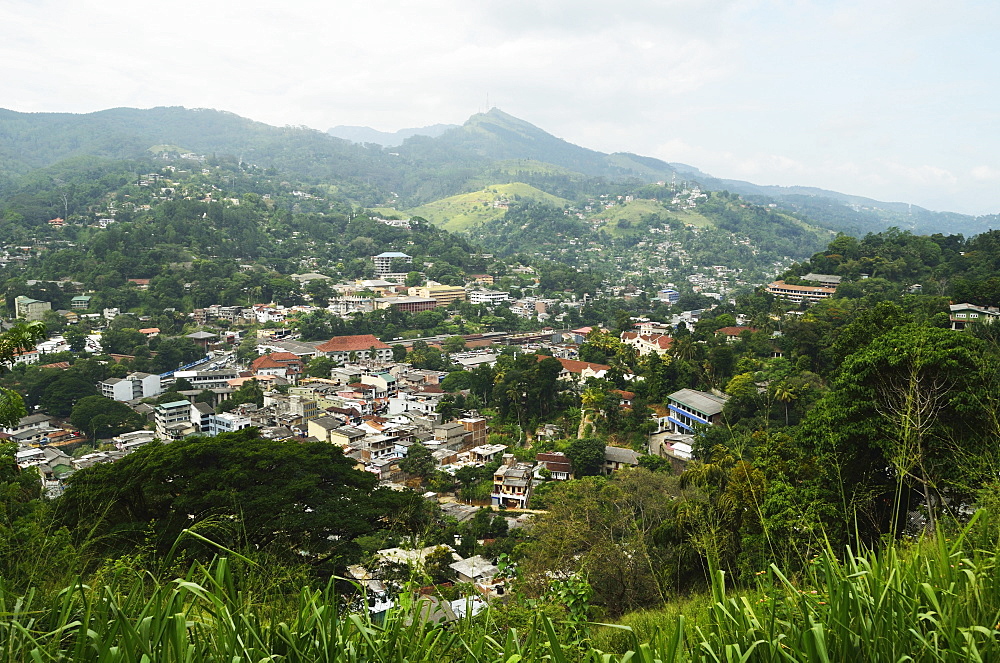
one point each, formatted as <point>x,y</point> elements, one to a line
<point>364,347</point>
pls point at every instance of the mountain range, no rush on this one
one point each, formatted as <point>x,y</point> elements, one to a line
<point>429,164</point>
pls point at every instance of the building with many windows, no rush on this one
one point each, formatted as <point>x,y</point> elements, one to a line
<point>131,387</point>
<point>444,295</point>
<point>512,483</point>
<point>490,297</point>
<point>227,422</point>
<point>362,347</point>
<point>800,293</point>
<point>407,303</point>
<point>173,420</point>
<point>965,314</point>
<point>30,309</point>
<point>689,407</point>
<point>383,261</point>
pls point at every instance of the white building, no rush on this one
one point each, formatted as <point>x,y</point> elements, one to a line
<point>490,297</point>
<point>132,386</point>
<point>383,261</point>
<point>227,422</point>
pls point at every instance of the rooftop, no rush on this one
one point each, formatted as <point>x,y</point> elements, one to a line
<point>701,401</point>
<point>351,344</point>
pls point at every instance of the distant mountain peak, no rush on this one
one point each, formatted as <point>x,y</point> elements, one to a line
<point>357,134</point>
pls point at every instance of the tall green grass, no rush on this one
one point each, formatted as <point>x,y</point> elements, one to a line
<point>935,600</point>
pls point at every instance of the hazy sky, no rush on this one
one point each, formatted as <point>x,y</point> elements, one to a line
<point>893,99</point>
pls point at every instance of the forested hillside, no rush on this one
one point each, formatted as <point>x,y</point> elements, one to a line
<point>490,148</point>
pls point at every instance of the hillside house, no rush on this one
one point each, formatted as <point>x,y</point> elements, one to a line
<point>689,407</point>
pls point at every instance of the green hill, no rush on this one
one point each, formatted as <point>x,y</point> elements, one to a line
<point>490,148</point>
<point>468,210</point>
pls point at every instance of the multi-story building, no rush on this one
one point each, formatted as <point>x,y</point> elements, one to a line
<point>363,347</point>
<point>303,406</point>
<point>227,422</point>
<point>451,435</point>
<point>966,314</point>
<point>444,295</point>
<point>131,387</point>
<point>80,302</point>
<point>344,306</point>
<point>30,309</point>
<point>217,379</point>
<point>383,261</point>
<point>689,407</point>
<point>512,484</point>
<point>173,420</point>
<point>646,344</point>
<point>800,293</point>
<point>407,303</point>
<point>668,296</point>
<point>347,436</point>
<point>490,297</point>
<point>479,431</point>
<point>282,364</point>
<point>384,383</point>
<point>557,463</point>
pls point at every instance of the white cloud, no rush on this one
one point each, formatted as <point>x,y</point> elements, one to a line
<point>986,174</point>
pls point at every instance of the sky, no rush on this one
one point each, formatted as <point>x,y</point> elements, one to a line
<point>897,100</point>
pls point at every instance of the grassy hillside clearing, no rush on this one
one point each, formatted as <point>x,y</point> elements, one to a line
<point>467,210</point>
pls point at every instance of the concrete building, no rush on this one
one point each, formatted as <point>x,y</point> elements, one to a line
<point>209,379</point>
<point>689,407</point>
<point>444,295</point>
<point>227,422</point>
<point>383,262</point>
<point>80,302</point>
<point>799,293</point>
<point>512,483</point>
<point>173,420</point>
<point>452,435</point>
<point>490,297</point>
<point>132,386</point>
<point>30,309</point>
<point>407,303</point>
<point>363,347</point>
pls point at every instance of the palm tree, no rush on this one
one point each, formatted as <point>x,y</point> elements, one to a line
<point>590,399</point>
<point>784,393</point>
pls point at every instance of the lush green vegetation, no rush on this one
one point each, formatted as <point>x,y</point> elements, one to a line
<point>935,600</point>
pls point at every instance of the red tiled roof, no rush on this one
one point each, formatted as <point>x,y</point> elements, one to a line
<point>266,362</point>
<point>734,331</point>
<point>351,344</point>
<point>285,357</point>
<point>59,364</point>
<point>574,366</point>
<point>150,330</point>
<point>660,340</point>
<point>276,360</point>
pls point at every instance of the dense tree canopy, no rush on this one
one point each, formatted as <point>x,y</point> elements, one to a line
<point>289,497</point>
